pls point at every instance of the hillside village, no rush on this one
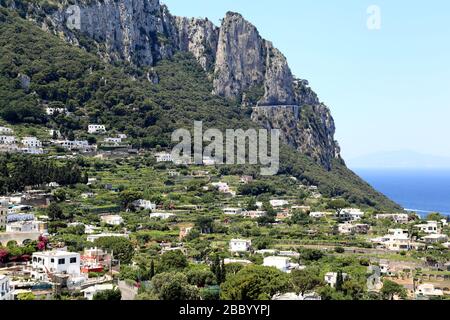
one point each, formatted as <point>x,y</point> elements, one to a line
<point>139,218</point>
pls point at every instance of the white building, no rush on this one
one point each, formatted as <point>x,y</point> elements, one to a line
<point>51,111</point>
<point>93,237</point>
<point>278,203</point>
<point>283,264</point>
<point>396,240</point>
<point>27,226</point>
<point>31,142</point>
<point>161,215</point>
<point>81,145</point>
<point>292,296</point>
<point>6,289</point>
<point>254,214</point>
<point>112,220</point>
<point>331,278</point>
<point>396,217</point>
<point>435,238</point>
<point>3,214</point>
<point>5,130</point>
<point>431,227</point>
<point>96,128</point>
<point>55,262</point>
<point>122,136</point>
<point>208,161</point>
<point>349,228</point>
<point>53,132</point>
<point>91,291</point>
<point>317,215</point>
<point>238,261</point>
<point>164,157</point>
<point>240,245</point>
<point>114,141</point>
<point>232,211</point>
<point>144,204</point>
<point>428,290</point>
<point>351,214</point>
<point>7,140</point>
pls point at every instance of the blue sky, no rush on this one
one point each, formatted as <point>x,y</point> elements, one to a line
<point>388,89</point>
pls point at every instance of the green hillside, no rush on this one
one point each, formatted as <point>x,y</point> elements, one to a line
<point>124,100</point>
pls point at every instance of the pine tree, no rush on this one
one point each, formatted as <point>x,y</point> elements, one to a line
<point>152,269</point>
<point>339,281</point>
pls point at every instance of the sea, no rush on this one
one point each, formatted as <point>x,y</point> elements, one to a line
<point>420,190</point>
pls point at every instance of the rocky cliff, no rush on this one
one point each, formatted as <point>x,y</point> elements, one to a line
<point>238,59</point>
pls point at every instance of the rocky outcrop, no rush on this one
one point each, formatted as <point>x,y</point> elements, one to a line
<point>200,37</point>
<point>309,129</point>
<point>243,65</point>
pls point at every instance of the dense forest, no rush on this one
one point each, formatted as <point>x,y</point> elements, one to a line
<point>19,171</point>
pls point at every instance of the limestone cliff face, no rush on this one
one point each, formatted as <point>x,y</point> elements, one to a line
<point>200,37</point>
<point>239,60</point>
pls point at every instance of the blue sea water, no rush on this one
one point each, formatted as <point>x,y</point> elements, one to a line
<point>423,191</point>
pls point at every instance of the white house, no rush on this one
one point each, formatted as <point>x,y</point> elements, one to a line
<point>396,240</point>
<point>240,245</point>
<point>31,142</point>
<point>53,132</point>
<point>55,262</point>
<point>91,291</point>
<point>112,220</point>
<point>331,278</point>
<point>51,111</point>
<point>122,136</point>
<point>281,263</point>
<point>208,161</point>
<point>96,128</point>
<point>278,203</point>
<point>161,215</point>
<point>238,261</point>
<point>428,290</point>
<point>6,289</point>
<point>3,214</point>
<point>7,140</point>
<point>5,130</point>
<point>93,237</point>
<point>115,141</point>
<point>232,211</point>
<point>223,187</point>
<point>348,228</point>
<point>144,204</point>
<point>254,214</point>
<point>27,226</point>
<point>396,217</point>
<point>317,215</point>
<point>435,238</point>
<point>164,157</point>
<point>351,214</point>
<point>292,296</point>
<point>431,227</point>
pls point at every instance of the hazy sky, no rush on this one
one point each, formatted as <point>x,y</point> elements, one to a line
<point>388,89</point>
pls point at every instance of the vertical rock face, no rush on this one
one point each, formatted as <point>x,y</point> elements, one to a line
<point>127,28</point>
<point>200,37</point>
<point>240,60</point>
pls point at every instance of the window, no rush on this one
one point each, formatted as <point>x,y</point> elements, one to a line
<point>73,260</point>
<point>52,260</point>
<point>62,261</point>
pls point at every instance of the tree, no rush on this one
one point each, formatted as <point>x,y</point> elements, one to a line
<point>54,211</point>
<point>25,296</point>
<point>122,248</point>
<point>172,261</point>
<point>152,269</point>
<point>109,295</point>
<point>173,286</point>
<point>60,195</point>
<point>255,283</point>
<point>305,280</point>
<point>338,205</point>
<point>251,204</point>
<point>127,197</point>
<point>391,289</point>
<point>339,281</point>
<point>201,278</point>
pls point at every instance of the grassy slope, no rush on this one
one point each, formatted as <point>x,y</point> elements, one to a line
<point>97,92</point>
